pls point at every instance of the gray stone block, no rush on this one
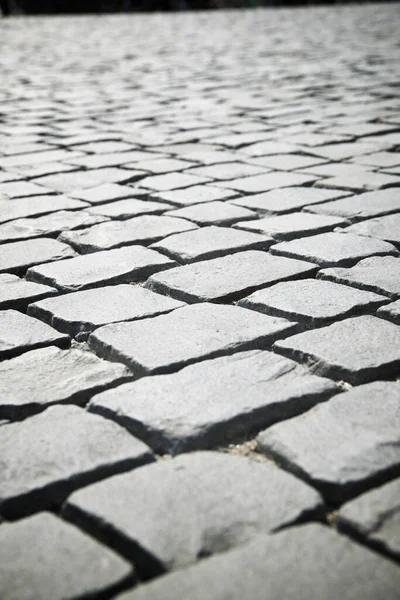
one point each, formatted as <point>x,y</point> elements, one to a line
<point>69,182</point>
<point>22,189</point>
<point>380,274</point>
<point>268,181</point>
<point>196,194</point>
<point>48,456</point>
<point>19,333</point>
<point>210,242</point>
<point>391,312</point>
<point>80,313</point>
<point>166,343</point>
<point>61,564</point>
<point>230,170</point>
<point>385,228</point>
<point>17,293</point>
<point>39,378</point>
<point>37,206</point>
<point>140,230</point>
<point>358,349</point>
<point>312,302</point>
<point>17,257</point>
<point>374,518</point>
<point>333,249</point>
<point>213,213</point>
<point>104,193</point>
<point>176,511</point>
<point>208,404</point>
<point>123,265</point>
<point>345,446</point>
<point>310,561</point>
<point>129,208</point>
<point>291,226</point>
<point>367,180</point>
<point>172,181</point>
<point>229,277</point>
<point>363,206</point>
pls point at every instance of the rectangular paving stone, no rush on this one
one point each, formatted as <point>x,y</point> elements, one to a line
<point>105,192</point>
<point>287,162</point>
<point>19,333</point>
<point>385,228</point>
<point>213,213</point>
<point>123,265</point>
<point>311,302</point>
<point>286,200</point>
<point>208,404</point>
<point>172,181</point>
<point>231,170</point>
<point>128,208</point>
<point>194,195</point>
<point>17,293</point>
<point>49,455</point>
<point>380,274</point>
<point>21,189</point>
<point>268,181</point>
<point>293,225</point>
<point>36,206</point>
<point>161,166</point>
<point>358,349</point>
<point>68,182</point>
<point>228,278</point>
<point>374,518</point>
<point>391,312</point>
<point>40,378</point>
<point>166,343</point>
<point>63,564</point>
<point>379,159</point>
<point>345,446</point>
<point>17,257</point>
<point>368,180</point>
<point>334,249</point>
<point>80,313</point>
<point>210,242</point>
<point>144,230</point>
<point>207,500</point>
<point>321,564</point>
<point>362,206</point>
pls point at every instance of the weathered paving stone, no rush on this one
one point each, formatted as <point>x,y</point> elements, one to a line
<point>362,206</point>
<point>287,162</point>
<point>105,192</point>
<point>333,249</point>
<point>48,225</point>
<point>294,225</point>
<point>344,446</point>
<point>380,274</point>
<point>286,200</point>
<point>80,313</point>
<point>40,378</point>
<point>69,182</point>
<point>123,265</point>
<point>321,563</point>
<point>17,257</point>
<point>63,564</point>
<point>17,293</point>
<point>163,165</point>
<point>213,213</point>
<point>269,181</point>
<point>187,335</point>
<point>36,206</point>
<point>312,302</point>
<point>172,181</point>
<point>208,403</point>
<point>374,518</point>
<point>224,171</point>
<point>229,277</point>
<point>196,194</point>
<point>368,180</point>
<point>48,456</point>
<point>19,333</point>
<point>385,228</point>
<point>358,349</point>
<point>131,207</point>
<point>391,312</point>
<point>210,242</point>
<point>22,189</point>
<point>146,229</point>
<point>206,498</point>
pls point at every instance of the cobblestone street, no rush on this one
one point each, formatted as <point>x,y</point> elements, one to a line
<point>200,305</point>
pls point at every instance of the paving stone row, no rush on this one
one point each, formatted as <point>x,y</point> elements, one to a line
<point>200,305</point>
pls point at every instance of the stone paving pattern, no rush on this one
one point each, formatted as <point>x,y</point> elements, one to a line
<point>200,305</point>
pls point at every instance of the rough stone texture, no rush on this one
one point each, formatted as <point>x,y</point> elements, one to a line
<point>391,312</point>
<point>172,181</point>
<point>312,302</point>
<point>62,564</point>
<point>22,189</point>
<point>269,181</point>
<point>19,333</point>
<point>229,277</point>
<point>39,378</point>
<point>358,349</point>
<point>376,274</point>
<point>286,200</point>
<point>374,517</point>
<point>295,225</point>
<point>17,257</point>
<point>333,249</point>
<point>231,170</point>
<point>105,192</point>
<point>41,464</point>
<point>208,404</point>
<point>108,267</point>
<point>321,564</point>
<point>194,195</point>
<point>210,242</point>
<point>344,446</point>
<point>385,228</point>
<point>205,507</point>
<point>363,206</point>
<point>190,334</point>
<point>37,206</point>
<point>81,312</point>
<point>17,293</point>
<point>140,230</point>
<point>131,207</point>
<point>213,213</point>
<point>366,180</point>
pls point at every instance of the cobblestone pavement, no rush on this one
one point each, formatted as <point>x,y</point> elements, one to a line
<point>200,306</point>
